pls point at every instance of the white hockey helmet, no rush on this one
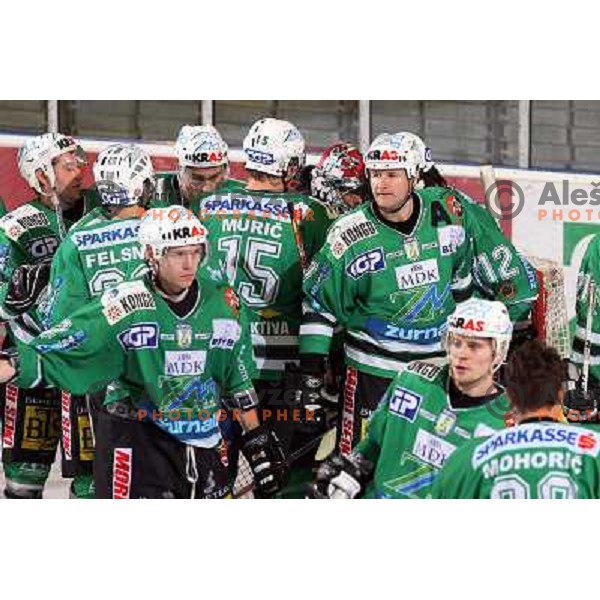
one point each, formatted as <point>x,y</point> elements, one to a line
<point>172,227</point>
<point>39,153</point>
<point>273,146</point>
<point>200,146</point>
<point>122,172</point>
<point>402,150</point>
<point>480,318</point>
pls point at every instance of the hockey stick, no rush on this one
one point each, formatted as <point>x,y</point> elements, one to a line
<point>587,346</point>
<point>298,235</point>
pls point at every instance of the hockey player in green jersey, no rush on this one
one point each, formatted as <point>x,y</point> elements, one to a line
<point>264,237</point>
<point>583,400</point>
<point>178,346</point>
<point>542,457</point>
<point>203,168</point>
<point>338,180</point>
<point>52,164</point>
<point>428,411</point>
<point>392,271</point>
<point>102,250</point>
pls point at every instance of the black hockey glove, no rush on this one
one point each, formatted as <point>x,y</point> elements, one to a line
<point>262,450</point>
<point>25,287</point>
<point>578,406</point>
<point>341,477</point>
<point>305,386</point>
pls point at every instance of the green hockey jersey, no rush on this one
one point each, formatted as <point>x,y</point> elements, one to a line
<point>415,429</point>
<point>533,460</point>
<point>28,235</point>
<point>173,369</point>
<point>393,292</point>
<point>263,240</point>
<point>589,272</point>
<point>98,253</point>
<point>168,191</point>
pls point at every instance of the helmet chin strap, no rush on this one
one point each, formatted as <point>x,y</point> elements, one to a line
<point>285,180</point>
<point>496,346</point>
<point>55,202</point>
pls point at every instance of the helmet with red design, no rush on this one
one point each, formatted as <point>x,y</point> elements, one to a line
<point>171,227</point>
<point>402,150</point>
<point>481,318</point>
<point>340,171</point>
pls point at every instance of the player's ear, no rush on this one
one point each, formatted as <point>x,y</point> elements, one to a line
<point>44,181</point>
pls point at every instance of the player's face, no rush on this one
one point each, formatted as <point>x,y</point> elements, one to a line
<point>390,188</point>
<point>68,173</point>
<point>178,267</point>
<point>196,180</point>
<point>471,360</point>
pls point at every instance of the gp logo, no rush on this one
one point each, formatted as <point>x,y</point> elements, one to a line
<point>405,404</point>
<point>368,262</point>
<point>144,335</point>
<point>43,247</point>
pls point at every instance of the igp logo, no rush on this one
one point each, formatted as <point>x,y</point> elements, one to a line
<point>405,404</point>
<point>144,335</point>
<point>367,262</point>
<point>43,247</point>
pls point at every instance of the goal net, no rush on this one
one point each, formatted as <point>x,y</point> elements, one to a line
<point>244,482</point>
<point>549,314</point>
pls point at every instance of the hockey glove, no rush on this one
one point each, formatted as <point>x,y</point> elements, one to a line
<point>579,406</point>
<point>341,477</point>
<point>262,450</point>
<point>25,287</point>
<point>307,390</point>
